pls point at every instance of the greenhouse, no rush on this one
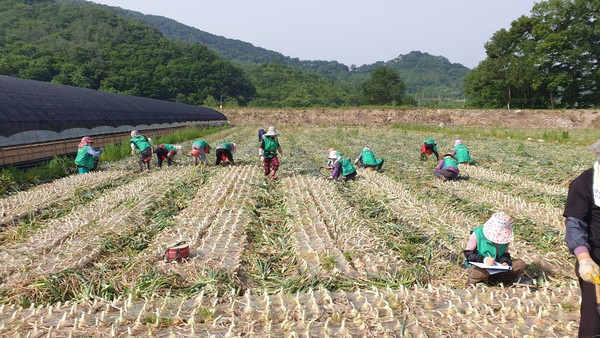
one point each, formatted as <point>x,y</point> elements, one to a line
<point>36,112</point>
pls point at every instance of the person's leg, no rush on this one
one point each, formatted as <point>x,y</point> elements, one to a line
<point>170,157</point>
<point>218,152</point>
<point>141,161</point>
<point>267,166</point>
<point>476,275</point>
<point>450,175</point>
<point>202,157</point>
<point>274,167</point>
<point>83,170</point>
<point>439,174</point>
<point>380,165</point>
<point>350,177</point>
<point>589,322</point>
<point>229,156</point>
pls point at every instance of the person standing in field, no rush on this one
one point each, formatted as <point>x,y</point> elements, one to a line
<point>224,152</point>
<point>367,160</point>
<point>461,153</point>
<point>429,147</point>
<point>141,146</point>
<point>582,222</point>
<point>447,168</point>
<point>87,156</point>
<point>199,150</point>
<point>489,244</point>
<point>269,147</point>
<point>343,168</point>
<point>166,152</point>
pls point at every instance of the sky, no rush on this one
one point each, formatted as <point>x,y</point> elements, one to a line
<point>351,32</point>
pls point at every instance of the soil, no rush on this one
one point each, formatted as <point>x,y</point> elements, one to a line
<point>559,119</point>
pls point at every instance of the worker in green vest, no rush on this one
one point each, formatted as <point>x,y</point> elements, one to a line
<point>447,168</point>
<point>367,160</point>
<point>87,156</point>
<point>166,152</point>
<point>141,146</point>
<point>461,153</point>
<point>199,150</point>
<point>343,168</point>
<point>224,152</point>
<point>429,147</point>
<point>269,148</point>
<point>489,245</point>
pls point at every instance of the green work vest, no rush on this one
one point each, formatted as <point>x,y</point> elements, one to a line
<point>486,248</point>
<point>141,143</point>
<point>225,145</point>
<point>450,162</point>
<point>84,159</point>
<point>431,141</point>
<point>347,167</point>
<point>170,147</point>
<point>271,146</point>
<point>200,144</point>
<point>462,153</point>
<point>368,158</point>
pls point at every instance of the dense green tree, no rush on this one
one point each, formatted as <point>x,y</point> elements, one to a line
<point>80,44</point>
<point>550,59</point>
<point>384,87</point>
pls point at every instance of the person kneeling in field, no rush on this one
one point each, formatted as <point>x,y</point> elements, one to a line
<point>342,167</point>
<point>87,156</point>
<point>167,152</point>
<point>429,147</point>
<point>489,244</point>
<point>224,152</point>
<point>461,153</point>
<point>199,150</point>
<point>269,147</point>
<point>367,160</point>
<point>447,168</point>
<point>141,146</point>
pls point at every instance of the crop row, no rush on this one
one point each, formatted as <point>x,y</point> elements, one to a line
<point>429,311</point>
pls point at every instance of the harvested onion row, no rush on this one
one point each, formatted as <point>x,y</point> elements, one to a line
<point>45,195</point>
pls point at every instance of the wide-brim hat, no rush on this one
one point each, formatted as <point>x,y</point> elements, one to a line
<point>449,154</point>
<point>333,154</point>
<point>498,228</point>
<point>272,132</point>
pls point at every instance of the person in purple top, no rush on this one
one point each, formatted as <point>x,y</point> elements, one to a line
<point>582,222</point>
<point>447,168</point>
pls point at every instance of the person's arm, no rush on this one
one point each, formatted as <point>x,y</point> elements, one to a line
<point>337,170</point>
<point>358,159</point>
<point>505,259</point>
<point>440,165</point>
<point>93,152</point>
<point>470,252</point>
<point>576,235</point>
<point>261,150</point>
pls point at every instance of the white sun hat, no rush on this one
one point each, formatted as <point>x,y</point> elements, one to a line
<point>272,132</point>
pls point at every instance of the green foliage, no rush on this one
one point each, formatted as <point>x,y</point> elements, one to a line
<point>85,45</point>
<point>384,87</point>
<point>547,60</point>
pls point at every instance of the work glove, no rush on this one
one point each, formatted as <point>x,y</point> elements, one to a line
<point>589,271</point>
<point>132,152</point>
<point>262,158</point>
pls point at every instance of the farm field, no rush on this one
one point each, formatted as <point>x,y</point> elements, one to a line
<point>301,256</point>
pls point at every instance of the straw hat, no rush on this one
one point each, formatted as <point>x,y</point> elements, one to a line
<point>498,228</point>
<point>333,154</point>
<point>272,132</point>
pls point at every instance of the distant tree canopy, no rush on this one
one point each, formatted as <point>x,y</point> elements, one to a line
<point>384,87</point>
<point>91,47</point>
<point>548,60</point>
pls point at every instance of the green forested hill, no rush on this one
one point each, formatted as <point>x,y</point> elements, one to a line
<point>79,43</point>
<point>425,76</point>
<point>92,47</point>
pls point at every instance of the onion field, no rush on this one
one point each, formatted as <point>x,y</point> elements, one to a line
<point>302,256</point>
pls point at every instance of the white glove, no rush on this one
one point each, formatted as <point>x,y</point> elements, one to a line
<point>262,158</point>
<point>589,270</point>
